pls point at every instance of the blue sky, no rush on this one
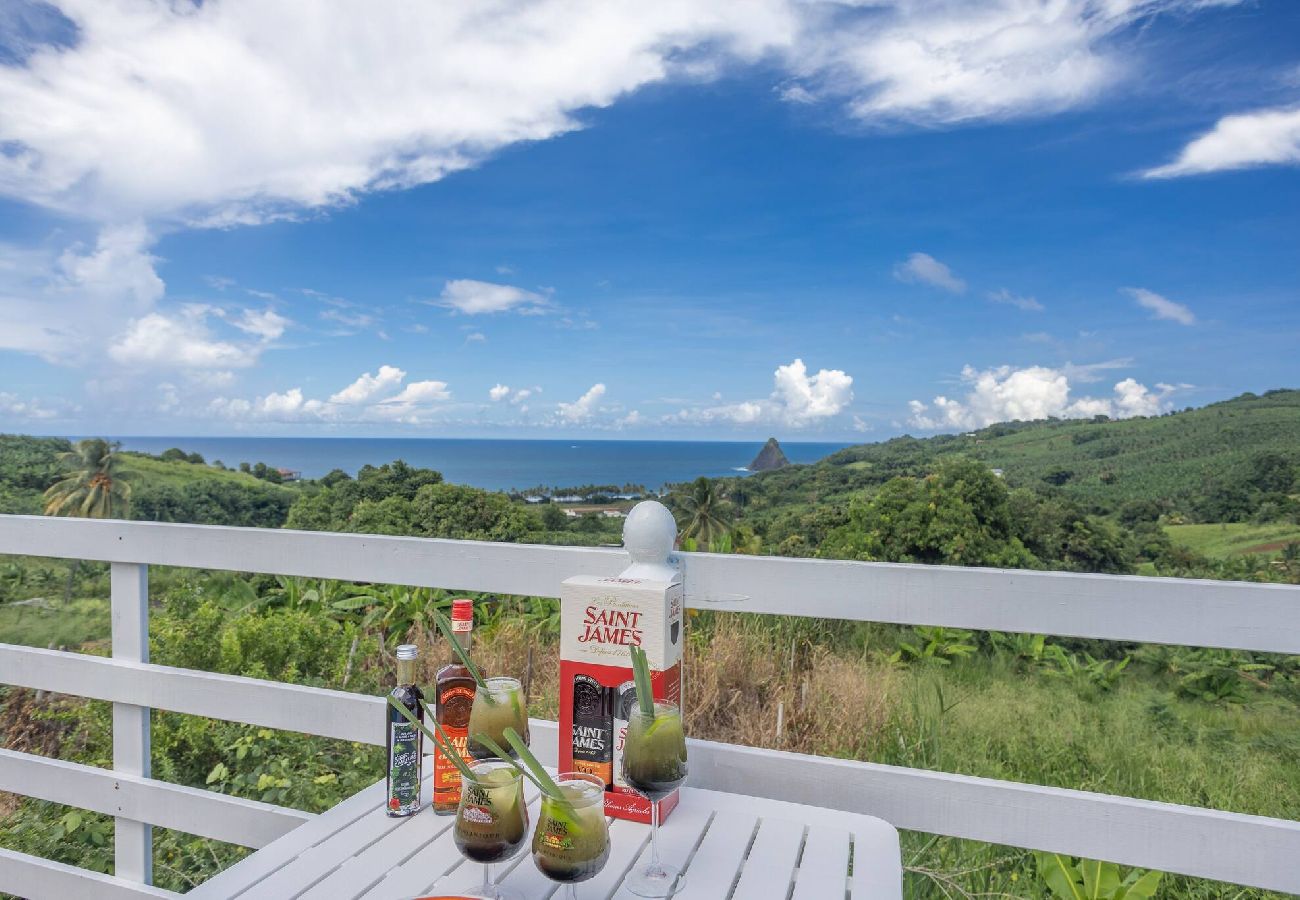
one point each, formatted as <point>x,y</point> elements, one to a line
<point>811,221</point>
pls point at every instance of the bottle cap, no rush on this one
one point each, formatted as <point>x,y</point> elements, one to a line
<point>407,651</point>
<point>462,610</point>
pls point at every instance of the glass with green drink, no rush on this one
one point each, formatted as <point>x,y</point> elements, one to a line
<point>498,705</point>
<point>654,765</point>
<point>571,843</point>
<point>492,819</point>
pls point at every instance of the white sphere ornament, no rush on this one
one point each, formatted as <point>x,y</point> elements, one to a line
<point>649,533</point>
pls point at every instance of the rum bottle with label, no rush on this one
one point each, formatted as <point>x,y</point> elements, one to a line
<point>453,699</point>
<point>405,742</point>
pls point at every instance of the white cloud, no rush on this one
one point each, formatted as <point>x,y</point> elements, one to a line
<point>367,385</point>
<point>13,406</point>
<point>939,63</point>
<point>1161,307</point>
<point>182,341</point>
<point>582,409</point>
<point>473,298</point>
<point>418,393</point>
<point>1024,304</point>
<point>1266,137</point>
<point>797,400</point>
<point>476,337</point>
<point>631,420</point>
<point>1006,394</point>
<point>60,305</point>
<point>500,392</point>
<point>924,268</point>
<point>267,324</point>
<point>349,320</point>
<point>414,404</point>
<point>861,425</point>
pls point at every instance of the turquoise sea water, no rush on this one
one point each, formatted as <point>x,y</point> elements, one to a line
<point>493,464</point>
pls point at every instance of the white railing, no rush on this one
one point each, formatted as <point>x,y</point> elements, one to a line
<point>1243,849</point>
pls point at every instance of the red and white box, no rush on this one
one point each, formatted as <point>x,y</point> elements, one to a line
<point>600,619</point>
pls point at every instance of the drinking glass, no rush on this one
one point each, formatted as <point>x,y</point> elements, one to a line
<point>571,843</point>
<point>491,820</point>
<point>654,765</point>
<point>500,707</point>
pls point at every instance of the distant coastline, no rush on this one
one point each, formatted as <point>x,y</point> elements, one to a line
<point>495,464</point>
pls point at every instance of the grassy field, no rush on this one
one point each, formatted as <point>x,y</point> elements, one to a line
<point>158,473</point>
<point>1220,540</point>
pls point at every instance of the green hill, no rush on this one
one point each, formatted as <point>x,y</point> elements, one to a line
<point>1215,463</point>
<point>161,490</point>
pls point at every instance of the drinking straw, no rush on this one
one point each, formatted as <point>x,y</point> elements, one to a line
<point>445,745</point>
<point>644,691</point>
<point>542,778</point>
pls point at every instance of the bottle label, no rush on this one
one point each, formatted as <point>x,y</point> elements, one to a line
<point>593,751</point>
<point>453,714</point>
<point>404,769</point>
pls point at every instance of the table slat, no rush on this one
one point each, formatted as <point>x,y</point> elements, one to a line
<point>719,858</point>
<point>678,838</point>
<point>360,872</point>
<point>314,864</point>
<point>257,866</point>
<point>418,873</point>
<point>824,866</point>
<point>769,868</point>
<point>877,862</point>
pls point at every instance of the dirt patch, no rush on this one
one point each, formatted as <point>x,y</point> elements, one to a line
<point>1270,547</point>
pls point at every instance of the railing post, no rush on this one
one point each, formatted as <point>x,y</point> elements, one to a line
<point>132,840</point>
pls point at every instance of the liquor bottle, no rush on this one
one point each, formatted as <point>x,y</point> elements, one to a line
<point>453,700</point>
<point>593,726</point>
<point>405,742</point>
<point>624,702</point>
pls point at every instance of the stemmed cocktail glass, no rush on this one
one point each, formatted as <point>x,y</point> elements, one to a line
<point>492,820</point>
<point>498,705</point>
<point>654,765</point>
<point>571,843</point>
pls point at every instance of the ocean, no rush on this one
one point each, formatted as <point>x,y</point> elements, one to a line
<point>493,464</point>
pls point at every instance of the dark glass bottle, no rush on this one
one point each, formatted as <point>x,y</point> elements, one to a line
<point>453,697</point>
<point>405,742</point>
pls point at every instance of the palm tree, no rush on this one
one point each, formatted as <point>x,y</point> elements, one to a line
<point>706,510</point>
<point>95,486</point>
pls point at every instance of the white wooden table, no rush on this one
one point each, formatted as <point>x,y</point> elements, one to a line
<point>733,847</point>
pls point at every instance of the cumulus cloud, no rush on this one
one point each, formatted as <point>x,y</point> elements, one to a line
<point>473,298</point>
<point>500,392</point>
<point>60,304</point>
<point>925,269</point>
<point>359,402</point>
<point>1161,307</point>
<point>1024,304</point>
<point>266,324</point>
<point>367,385</point>
<point>582,409</point>
<point>181,341</point>
<point>1266,137</point>
<point>797,400</point>
<point>1007,394</point>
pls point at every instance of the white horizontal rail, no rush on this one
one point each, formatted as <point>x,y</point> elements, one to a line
<point>270,704</point>
<point>1235,615</point>
<point>234,820</point>
<point>43,879</point>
